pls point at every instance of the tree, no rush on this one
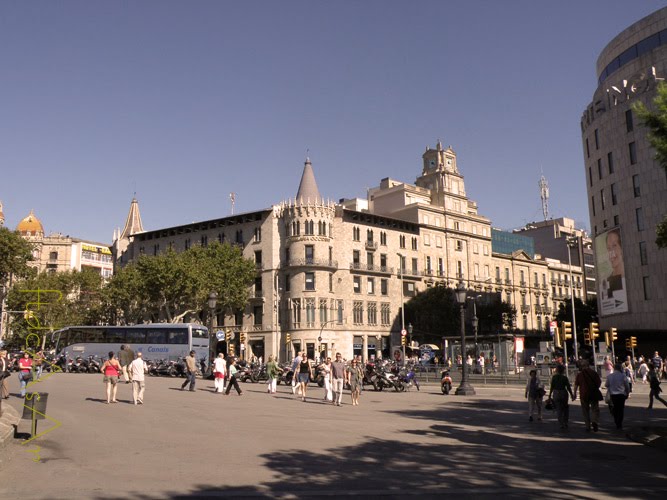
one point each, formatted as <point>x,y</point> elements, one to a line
<point>586,313</point>
<point>433,313</point>
<point>172,285</point>
<point>15,253</point>
<point>656,122</point>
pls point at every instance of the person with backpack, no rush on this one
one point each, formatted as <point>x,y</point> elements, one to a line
<point>654,384</point>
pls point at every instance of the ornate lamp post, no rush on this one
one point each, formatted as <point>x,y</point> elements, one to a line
<point>212,340</point>
<point>465,389</point>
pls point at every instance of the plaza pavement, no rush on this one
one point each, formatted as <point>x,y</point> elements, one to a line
<point>414,444</point>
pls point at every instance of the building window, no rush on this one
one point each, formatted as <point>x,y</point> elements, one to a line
<point>296,312</point>
<point>310,281</point>
<point>438,241</point>
<point>639,213</point>
<point>459,245</point>
<point>384,290</point>
<point>602,199</point>
<point>331,282</point>
<point>593,204</point>
<point>610,162</point>
<point>372,313</point>
<point>204,240</point>
<point>258,286</point>
<point>358,312</point>
<point>310,312</point>
<point>635,186</point>
<point>441,266</point>
<point>356,234</point>
<point>257,235</point>
<point>457,225</point>
<point>427,240</point>
<point>614,194</point>
<point>339,312</point>
<point>459,269</point>
<point>414,243</point>
<point>588,150</point>
<point>258,257</point>
<point>370,286</point>
<point>239,236</point>
<point>401,264</point>
<point>188,243</point>
<point>429,269</point>
<point>356,259</point>
<point>258,314</point>
<point>629,125</point>
<point>221,238</point>
<point>486,249</point>
<point>475,248</point>
<point>646,283</point>
<point>309,254</point>
<point>401,241</point>
<point>643,257</point>
<point>287,282</point>
<point>616,220</point>
<point>53,255</point>
<point>599,168</point>
<point>385,316</point>
<point>590,176</point>
<point>383,238</point>
<point>632,147</point>
<point>415,265</point>
<point>357,284</point>
<point>323,310</point>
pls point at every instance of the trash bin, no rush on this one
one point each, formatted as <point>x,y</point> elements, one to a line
<point>34,408</point>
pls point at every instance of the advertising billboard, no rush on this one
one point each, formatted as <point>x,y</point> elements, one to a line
<point>612,289</point>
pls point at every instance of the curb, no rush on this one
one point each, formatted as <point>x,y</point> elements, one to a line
<point>8,422</point>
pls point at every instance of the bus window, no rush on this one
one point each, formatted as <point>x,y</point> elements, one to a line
<point>156,337</point>
<point>75,336</point>
<point>135,336</point>
<point>114,336</point>
<point>90,336</point>
<point>178,337</point>
<point>199,333</point>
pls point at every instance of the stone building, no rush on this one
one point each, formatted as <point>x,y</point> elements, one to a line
<point>333,276</point>
<point>627,188</point>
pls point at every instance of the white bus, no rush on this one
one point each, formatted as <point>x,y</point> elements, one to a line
<point>153,340</point>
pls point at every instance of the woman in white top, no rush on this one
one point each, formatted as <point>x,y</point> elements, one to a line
<point>326,372</point>
<point>219,372</point>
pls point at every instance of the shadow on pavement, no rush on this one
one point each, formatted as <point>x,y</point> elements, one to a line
<point>480,448</point>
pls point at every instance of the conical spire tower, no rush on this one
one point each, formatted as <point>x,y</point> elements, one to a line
<point>308,192</point>
<point>133,223</point>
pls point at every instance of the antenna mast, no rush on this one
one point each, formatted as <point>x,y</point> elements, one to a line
<point>544,194</point>
<point>232,197</point>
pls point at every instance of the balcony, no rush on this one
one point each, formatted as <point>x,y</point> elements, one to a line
<point>259,266</point>
<point>525,308</point>
<point>499,281</point>
<point>429,272</point>
<point>371,245</point>
<point>522,283</point>
<point>409,273</point>
<point>536,284</point>
<point>332,264</point>
<point>538,309</point>
<point>508,281</point>
<point>554,281</point>
<point>371,268</point>
<point>545,286</point>
<point>258,294</point>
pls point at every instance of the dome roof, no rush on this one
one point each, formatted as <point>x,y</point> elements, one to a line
<point>30,226</point>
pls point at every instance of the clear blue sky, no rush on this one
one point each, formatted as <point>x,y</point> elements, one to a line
<point>184,102</point>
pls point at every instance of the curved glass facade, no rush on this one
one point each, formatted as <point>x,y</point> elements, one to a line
<point>643,47</point>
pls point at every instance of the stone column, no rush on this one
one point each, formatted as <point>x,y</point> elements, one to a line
<point>364,353</point>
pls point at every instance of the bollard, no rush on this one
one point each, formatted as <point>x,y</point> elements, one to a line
<point>34,408</point>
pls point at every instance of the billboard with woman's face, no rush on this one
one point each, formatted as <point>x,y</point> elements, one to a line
<point>612,292</point>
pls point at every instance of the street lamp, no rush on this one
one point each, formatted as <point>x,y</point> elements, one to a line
<point>400,267</point>
<point>410,328</point>
<point>572,241</point>
<point>465,389</point>
<point>212,303</point>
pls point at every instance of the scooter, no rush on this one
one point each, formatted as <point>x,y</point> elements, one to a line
<point>408,377</point>
<point>445,382</point>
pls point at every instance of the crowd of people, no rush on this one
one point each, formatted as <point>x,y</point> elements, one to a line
<point>619,380</point>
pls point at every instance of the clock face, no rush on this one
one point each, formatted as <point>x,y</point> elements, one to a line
<point>432,163</point>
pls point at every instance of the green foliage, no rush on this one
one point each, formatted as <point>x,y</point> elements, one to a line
<point>433,313</point>
<point>495,315</point>
<point>56,300</point>
<point>171,285</point>
<point>585,312</point>
<point>656,122</point>
<point>15,253</point>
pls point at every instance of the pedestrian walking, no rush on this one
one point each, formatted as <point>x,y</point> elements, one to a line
<point>587,382</point>
<point>469,363</point>
<point>111,370</point>
<point>534,393</point>
<point>558,391</point>
<point>618,388</point>
<point>126,357</point>
<point>4,375</point>
<point>608,366</point>
<point>39,363</point>
<point>25,371</point>
<point>138,369</point>
<point>655,389</point>
<point>231,375</point>
<point>627,371</point>
<point>305,374</point>
<point>657,364</point>
<point>190,371</point>
<point>273,371</point>
<point>326,373</point>
<point>219,373</point>
<point>296,388</point>
<point>355,377</point>
<point>643,370</point>
<point>338,379</point>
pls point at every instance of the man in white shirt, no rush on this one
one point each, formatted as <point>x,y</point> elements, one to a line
<point>619,388</point>
<point>296,388</point>
<point>137,369</point>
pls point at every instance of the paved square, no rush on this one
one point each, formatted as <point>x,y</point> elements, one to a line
<point>183,444</point>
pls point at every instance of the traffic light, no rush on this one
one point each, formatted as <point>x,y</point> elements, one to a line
<point>594,331</point>
<point>403,341</point>
<point>558,342</point>
<point>242,337</point>
<point>288,338</point>
<point>228,336</point>
<point>566,330</point>
<point>614,334</point>
<point>607,337</point>
<point>587,336</point>
<point>633,342</point>
<point>231,350</point>
<point>628,343</point>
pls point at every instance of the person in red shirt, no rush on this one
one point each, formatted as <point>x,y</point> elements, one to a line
<point>25,372</point>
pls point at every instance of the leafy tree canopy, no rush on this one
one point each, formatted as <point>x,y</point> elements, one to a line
<point>585,312</point>
<point>15,253</point>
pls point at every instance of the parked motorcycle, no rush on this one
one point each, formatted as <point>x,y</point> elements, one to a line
<point>408,378</point>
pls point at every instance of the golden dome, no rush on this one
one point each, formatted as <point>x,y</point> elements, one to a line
<point>30,226</point>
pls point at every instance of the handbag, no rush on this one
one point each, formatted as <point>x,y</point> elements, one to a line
<point>549,405</point>
<point>540,392</point>
<point>607,399</point>
<point>26,377</point>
